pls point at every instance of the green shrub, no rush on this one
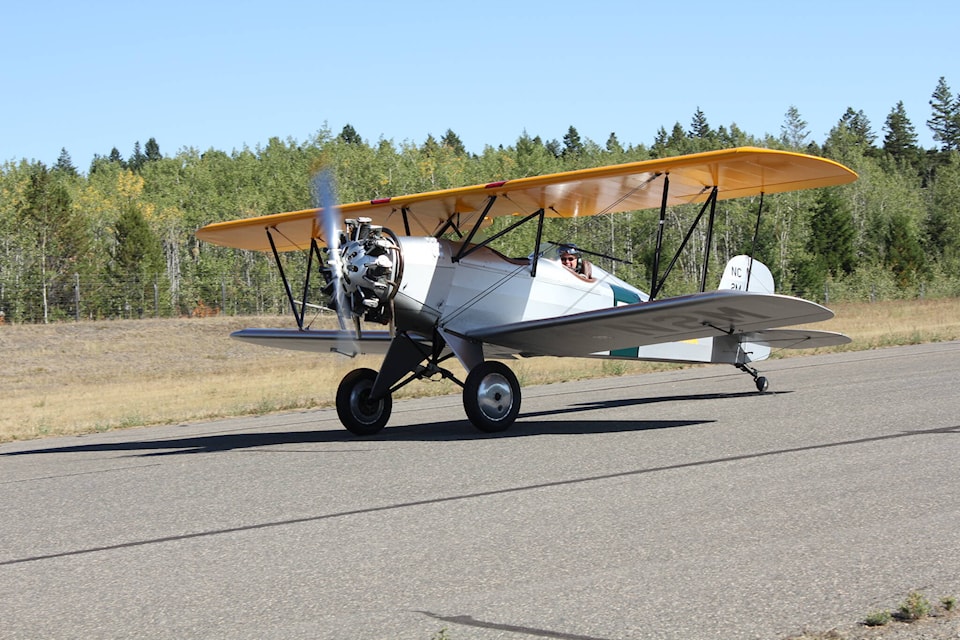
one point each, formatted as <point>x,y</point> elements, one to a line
<point>878,619</point>
<point>915,607</point>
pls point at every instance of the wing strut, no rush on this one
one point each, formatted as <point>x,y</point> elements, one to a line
<point>706,249</point>
<point>476,227</point>
<point>286,283</point>
<point>536,248</point>
<point>711,201</point>
<point>299,311</point>
<point>753,249</point>
<point>656,254</point>
<point>466,249</point>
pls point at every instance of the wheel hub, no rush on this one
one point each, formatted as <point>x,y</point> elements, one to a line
<point>494,396</point>
<point>366,409</point>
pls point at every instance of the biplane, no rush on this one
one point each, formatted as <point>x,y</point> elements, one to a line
<point>421,268</point>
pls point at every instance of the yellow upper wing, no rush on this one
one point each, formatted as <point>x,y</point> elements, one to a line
<point>745,171</point>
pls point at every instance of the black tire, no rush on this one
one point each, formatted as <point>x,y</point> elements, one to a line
<point>491,397</point>
<point>357,412</point>
<point>762,384</point>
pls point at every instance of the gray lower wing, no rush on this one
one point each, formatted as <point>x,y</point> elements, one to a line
<point>714,313</point>
<point>318,341</point>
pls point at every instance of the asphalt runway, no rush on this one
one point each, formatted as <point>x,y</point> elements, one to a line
<point>671,505</point>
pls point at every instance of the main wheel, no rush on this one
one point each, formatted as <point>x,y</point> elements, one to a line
<point>358,413</point>
<point>491,396</point>
<point>762,384</point>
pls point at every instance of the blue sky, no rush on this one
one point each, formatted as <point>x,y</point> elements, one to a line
<point>90,76</point>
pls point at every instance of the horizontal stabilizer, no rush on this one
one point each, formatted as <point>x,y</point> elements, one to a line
<point>700,315</point>
<point>797,338</point>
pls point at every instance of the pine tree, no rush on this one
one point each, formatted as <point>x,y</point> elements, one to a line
<point>452,141</point>
<point>553,146</point>
<point>830,247</point>
<point>65,163</point>
<point>904,252</point>
<point>679,142</point>
<point>793,131</point>
<point>153,150</point>
<point>859,125</point>
<point>137,159</point>
<point>943,218</point>
<point>57,237</point>
<point>613,144</point>
<point>900,139</point>
<point>572,145</point>
<point>349,135</point>
<point>701,137</point>
<point>833,234</point>
<point>849,141</point>
<point>660,143</point>
<point>699,127</point>
<point>533,157</point>
<point>137,259</point>
<point>675,143</point>
<point>945,121</point>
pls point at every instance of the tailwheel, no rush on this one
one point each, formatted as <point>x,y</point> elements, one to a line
<point>762,383</point>
<point>358,413</point>
<point>491,396</point>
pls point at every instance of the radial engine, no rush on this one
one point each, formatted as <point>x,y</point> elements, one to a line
<point>371,266</point>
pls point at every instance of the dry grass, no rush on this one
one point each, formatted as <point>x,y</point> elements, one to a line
<point>91,376</point>
<point>897,322</point>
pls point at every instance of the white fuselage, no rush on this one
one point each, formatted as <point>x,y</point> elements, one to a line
<point>488,289</point>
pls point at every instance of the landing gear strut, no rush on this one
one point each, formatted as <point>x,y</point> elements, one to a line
<point>762,383</point>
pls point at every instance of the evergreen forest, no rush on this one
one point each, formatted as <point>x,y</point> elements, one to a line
<point>116,240</point>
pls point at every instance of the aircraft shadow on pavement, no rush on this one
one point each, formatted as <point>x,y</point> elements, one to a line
<point>529,424</point>
<point>452,430</point>
<point>629,402</point>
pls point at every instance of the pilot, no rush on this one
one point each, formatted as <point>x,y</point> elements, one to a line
<point>572,259</point>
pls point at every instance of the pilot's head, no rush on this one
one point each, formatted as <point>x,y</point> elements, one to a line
<point>570,257</point>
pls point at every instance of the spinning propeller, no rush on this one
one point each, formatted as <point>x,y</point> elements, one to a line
<point>364,262</point>
<point>328,219</point>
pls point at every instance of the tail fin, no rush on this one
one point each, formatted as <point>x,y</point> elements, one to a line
<point>743,273</point>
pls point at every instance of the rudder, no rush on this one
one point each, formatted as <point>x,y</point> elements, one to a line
<point>744,273</point>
